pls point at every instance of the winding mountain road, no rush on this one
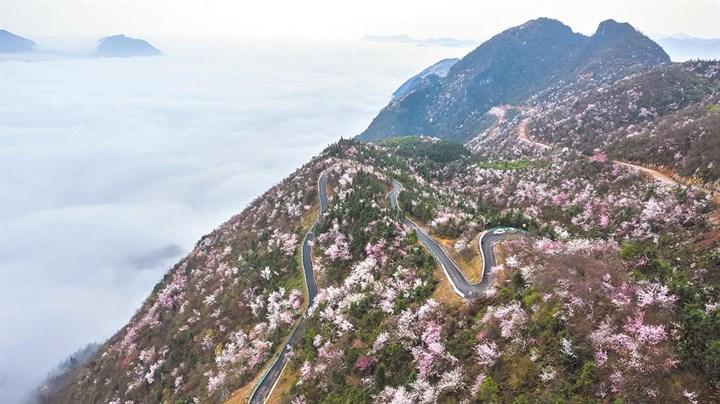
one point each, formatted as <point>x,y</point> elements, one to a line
<point>269,379</point>
<point>460,285</point>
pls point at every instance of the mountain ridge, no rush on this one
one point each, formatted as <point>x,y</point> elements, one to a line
<point>404,38</point>
<point>11,43</point>
<point>509,68</point>
<point>439,69</point>
<point>686,48</point>
<point>123,46</point>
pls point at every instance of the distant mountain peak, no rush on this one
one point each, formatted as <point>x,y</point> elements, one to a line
<point>540,28</point>
<point>609,23</point>
<point>617,45</point>
<point>542,22</point>
<point>509,68</point>
<point>612,27</point>
<point>683,47</point>
<point>123,46</point>
<point>11,43</point>
<point>404,38</point>
<point>439,70</point>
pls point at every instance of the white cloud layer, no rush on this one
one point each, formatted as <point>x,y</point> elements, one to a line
<point>110,168</point>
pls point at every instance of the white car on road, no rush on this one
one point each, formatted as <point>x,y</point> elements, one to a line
<point>499,232</point>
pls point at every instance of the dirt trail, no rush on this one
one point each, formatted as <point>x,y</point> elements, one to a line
<point>523,125</point>
<point>654,173</point>
<point>667,179</point>
<point>714,217</point>
<point>499,112</point>
<point>523,137</point>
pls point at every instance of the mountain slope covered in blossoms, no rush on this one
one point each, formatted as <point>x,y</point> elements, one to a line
<point>218,315</point>
<point>595,304</point>
<point>667,118</point>
<point>612,295</point>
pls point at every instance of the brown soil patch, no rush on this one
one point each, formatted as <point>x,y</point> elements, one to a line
<point>500,260</point>
<point>242,395</point>
<point>472,270</point>
<point>285,382</point>
<point>444,292</point>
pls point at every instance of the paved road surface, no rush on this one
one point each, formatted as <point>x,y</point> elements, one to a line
<point>267,383</point>
<point>460,285</point>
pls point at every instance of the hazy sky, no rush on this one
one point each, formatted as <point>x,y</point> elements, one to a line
<point>297,19</point>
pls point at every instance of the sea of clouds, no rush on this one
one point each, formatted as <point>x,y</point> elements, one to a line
<point>111,169</point>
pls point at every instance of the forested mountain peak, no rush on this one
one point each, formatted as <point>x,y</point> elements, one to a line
<point>510,68</point>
